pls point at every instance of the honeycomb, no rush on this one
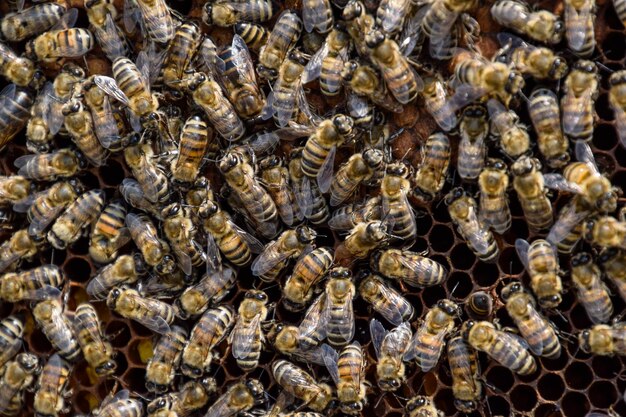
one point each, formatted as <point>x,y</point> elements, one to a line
<point>571,385</point>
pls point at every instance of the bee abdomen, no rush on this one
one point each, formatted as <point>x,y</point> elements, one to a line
<point>514,357</point>
<point>234,249</point>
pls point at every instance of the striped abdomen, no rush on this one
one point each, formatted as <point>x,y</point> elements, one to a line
<point>340,324</point>
<point>541,257</point>
<point>14,113</point>
<point>541,336</point>
<point>194,140</point>
<point>463,363</point>
<point>282,38</point>
<point>44,275</point>
<point>495,212</point>
<point>400,215</point>
<point>471,158</point>
<point>57,329</point>
<point>254,35</point>
<point>71,42</point>
<point>544,113</point>
<point>330,75</point>
<point>350,358</point>
<point>160,370</point>
<point>11,331</point>
<point>113,42</point>
<point>438,20</point>
<point>111,220</point>
<point>234,248</point>
<point>511,14</point>
<point>578,117</point>
<point>320,212</point>
<point>52,382</point>
<point>583,24</point>
<point>32,21</point>
<point>537,212</point>
<point>81,129</point>
<point>157,19</point>
<point>400,79</point>
<point>181,50</point>
<point>129,79</point>
<point>261,208</point>
<point>84,210</point>
<point>509,352</point>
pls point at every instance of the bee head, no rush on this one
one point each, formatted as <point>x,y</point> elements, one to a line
<point>158,404</point>
<point>515,82</point>
<point>389,384</point>
<point>270,162</point>
<point>454,195</point>
<point>114,294</point>
<point>584,340</point>
<point>207,13</point>
<point>207,210</point>
<point>74,70</point>
<point>373,157</point>
<point>524,165</point>
<point>374,38</point>
<point>256,390</point>
<point>305,234</point>
<point>497,164</point>
<point>256,295</point>
<point>588,229</point>
<point>607,255</point>
<point>558,68</point>
<point>607,202</point>
<point>416,402</point>
<point>166,266</point>
<point>158,388</point>
<point>28,362</point>
<point>398,169</point>
<point>618,77</point>
<point>340,273</point>
<point>229,161</point>
<point>465,406</point>
<point>585,66</point>
<point>582,258</point>
<point>352,10</point>
<point>348,70</point>
<point>510,289</point>
<point>107,368</point>
<point>171,210</point>
<point>559,29</point>
<point>465,329</point>
<point>343,124</point>
<point>448,307</point>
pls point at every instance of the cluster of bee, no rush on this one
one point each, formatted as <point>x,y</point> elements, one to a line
<point>231,173</point>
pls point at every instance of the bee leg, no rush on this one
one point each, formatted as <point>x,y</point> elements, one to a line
<point>67,393</point>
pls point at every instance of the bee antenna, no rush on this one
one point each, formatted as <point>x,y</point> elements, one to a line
<point>521,93</point>
<point>380,399</point>
<point>604,67</point>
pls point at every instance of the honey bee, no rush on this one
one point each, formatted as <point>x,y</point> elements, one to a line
<point>360,23</point>
<point>580,16</point>
<point>538,332</point>
<point>52,387</point>
<point>313,327</point>
<point>431,174</point>
<point>286,340</point>
<point>254,35</point>
<point>180,232</point>
<point>428,342</point>
<point>126,269</point>
<point>605,231</point>
<point>119,405</point>
<point>567,230</point>
<point>438,24</point>
<point>365,237</point>
<point>109,234</point>
<point>17,377</point>
<point>544,113</point>
<point>57,328</point>
<point>298,383</point>
<point>397,210</point>
<point>581,90</point>
<point>384,299</point>
<point>154,314</point>
<point>528,182</point>
<point>238,398</point>
<point>189,398</point>
<point>150,177</point>
<point>617,99</point>
<point>112,40</point>
<point>275,175</point>
<point>466,385</point>
<point>11,334</point>
<point>49,166</point>
<point>105,124</point>
<point>307,194</point>
<point>281,40</point>
<point>360,168</point>
<point>184,44</point>
<point>364,80</point>
<point>505,125</point>
<point>307,272</point>
<point>239,174</point>
<point>390,347</point>
<point>347,217</point>
<point>247,338</point>
<point>282,103</point>
<point>15,104</point>
<point>479,305</point>
<point>40,283</point>
<point>79,215</point>
<point>155,18</point>
<point>60,43</point>
<point>18,247</point>
<point>603,339</point>
<point>463,212</point>
<point>493,183</point>
<point>328,62</point>
<point>210,330</point>
<point>539,62</point>
<point>143,232</point>
<point>45,118</point>
<point>133,194</point>
<point>505,348</point>
<point>438,103</point>
<point>229,13</point>
<point>390,15</point>
<point>613,263</point>
<point>80,126</point>
<point>402,81</point>
<point>592,292</point>
<point>542,263</point>
<point>340,292</point>
<point>422,406</point>
<point>13,189</point>
<point>160,370</point>
<point>317,15</point>
<point>19,70</point>
<point>473,129</point>
<point>408,267</point>
<point>97,351</point>
<point>348,372</point>
<point>540,25</point>
<point>26,23</point>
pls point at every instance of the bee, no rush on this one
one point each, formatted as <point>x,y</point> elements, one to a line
<point>463,212</point>
<point>505,348</point>
<point>348,372</point>
<point>340,292</point>
<point>286,340</point>
<point>97,351</point>
<point>79,215</point>
<point>143,232</point>
<point>247,338</point>
<point>605,231</point>
<point>57,328</point>
<point>402,81</point>
<point>581,90</point>
<point>307,272</point>
<point>238,398</point>
<point>156,18</point>
<point>431,174</point>
<point>348,216</point>
<point>364,80</point>
<point>428,342</point>
<point>328,62</point>
<point>617,99</point>
<point>281,40</point>
<point>229,13</point>
<point>298,383</point>
<point>207,94</point>
<point>13,189</point>
<point>538,332</point>
<point>276,177</point>
<point>603,339</point>
<point>11,334</point>
<point>53,45</point>
<point>307,194</point>
<point>466,385</point>
<point>44,120</point>
<point>254,35</point>
<point>396,207</point>
<point>390,15</point>
<point>18,376</point>
<point>80,126</point>
<point>438,24</point>
<point>539,62</point>
<point>567,230</point>
<point>19,70</point>
<point>580,16</point>
<point>108,234</point>
<point>438,103</point>
<point>390,347</point>
<point>180,232</point>
<point>422,406</point>
<point>473,128</point>
<point>133,195</point>
<point>210,330</point>
<point>15,104</point>
<point>544,113</point>
<point>154,314</point>
<point>52,387</point>
<point>541,262</point>
<point>317,15</point>
<point>540,25</point>
<point>150,177</point>
<point>366,237</point>
<point>126,269</point>
<point>613,263</point>
<point>505,125</point>
<point>235,72</point>
<point>239,174</point>
<point>192,396</point>
<point>18,247</point>
<point>408,267</point>
<point>282,103</point>
<point>119,405</point>
<point>184,44</point>
<point>112,40</point>
<point>360,23</point>
<point>48,166</point>
<point>592,292</point>
<point>161,367</point>
<point>493,183</point>
<point>360,168</point>
<point>479,305</point>
<point>105,125</point>
<point>384,299</point>
<point>26,23</point>
<point>40,283</point>
<point>529,184</point>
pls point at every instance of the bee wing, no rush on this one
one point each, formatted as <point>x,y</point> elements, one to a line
<point>81,325</point>
<point>313,17</point>
<point>222,406</point>
<point>54,116</point>
<point>8,392</point>
<point>97,288</point>
<point>390,311</point>
<point>357,106</point>
<point>317,354</point>
<point>309,325</point>
<point>268,109</point>
<point>110,37</point>
<point>21,161</point>
<point>343,325</point>
<point>377,333</point>
<point>153,321</point>
<point>395,343</point>
<point>325,174</point>
<point>464,368</point>
<point>430,346</point>
<point>595,310</point>
<point>23,205</point>
<point>576,38</point>
<point>109,86</point>
<point>443,40</point>
<point>584,154</point>
<point>557,181</point>
<point>213,255</point>
<point>150,185</point>
<point>568,219</point>
<point>131,15</point>
<point>528,327</point>
<point>38,225</point>
<point>333,369</point>
<point>522,246</point>
<point>571,119</point>
<point>313,68</point>
<point>184,261</point>
<point>620,124</point>
<point>241,344</point>
<point>412,34</point>
<point>496,108</point>
<point>254,244</point>
<point>304,197</point>
<point>242,59</point>
<point>506,38</point>
<point>107,133</point>
<point>135,222</point>
<point>68,20</point>
<point>508,338</point>
<point>268,259</point>
<point>264,142</point>
<point>464,94</point>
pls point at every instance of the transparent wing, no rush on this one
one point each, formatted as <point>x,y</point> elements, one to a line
<point>241,343</point>
<point>397,341</point>
<point>569,217</point>
<point>304,196</point>
<point>67,21</point>
<point>522,246</point>
<point>110,39</point>
<point>184,261</point>
<point>313,68</point>
<point>313,17</point>
<point>496,108</point>
<point>576,38</point>
<point>45,292</point>
<point>131,15</point>
<point>150,319</point>
<point>107,132</point>
<point>268,259</point>
<point>39,224</point>
<point>464,368</point>
<point>8,392</point>
<point>137,225</point>
<point>254,244</point>
<point>242,59</point>
<point>264,142</point>
<point>150,181</point>
<point>528,329</point>
<point>314,321</point>
<point>325,174</point>
<point>430,346</point>
<point>343,324</point>
<point>97,288</point>
<point>390,310</point>
<point>109,86</point>
<point>377,333</point>
<point>412,34</point>
<point>620,124</point>
<point>443,41</point>
<point>595,310</point>
<point>222,406</point>
<point>331,365</point>
<point>23,205</point>
<point>22,160</point>
<point>213,255</point>
<point>585,154</point>
<point>464,94</point>
<point>316,355</point>
<point>574,112</point>
<point>557,181</point>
